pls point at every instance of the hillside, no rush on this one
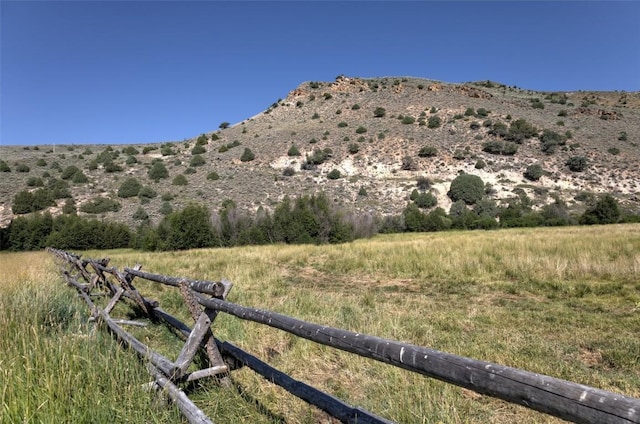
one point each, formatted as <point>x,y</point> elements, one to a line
<point>364,142</point>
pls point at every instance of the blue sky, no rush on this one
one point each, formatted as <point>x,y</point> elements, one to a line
<point>150,71</point>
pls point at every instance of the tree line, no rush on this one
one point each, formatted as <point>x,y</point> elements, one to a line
<point>302,220</point>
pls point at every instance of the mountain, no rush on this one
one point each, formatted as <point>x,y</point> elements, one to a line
<point>365,142</point>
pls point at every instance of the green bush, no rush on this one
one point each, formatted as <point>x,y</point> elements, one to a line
<point>140,214</point>
<point>147,192</point>
<point>4,167</point>
<point>69,172</point>
<point>379,112</point>
<point>158,171</point>
<point>197,160</point>
<point>111,167</point>
<point>342,124</point>
<point>614,151</point>
<point>434,122</point>
<point>213,176</point>
<point>533,172</point>
<point>469,112</point>
<point>79,178</point>
<point>247,155</point>
<point>427,151</point>
<point>224,125</point>
<point>605,211</point>
<point>293,151</point>
<point>622,136</point>
<point>35,182</point>
<point>130,150</point>
<point>520,130</point>
<point>198,149</point>
<point>165,208</point>
<point>100,205</point>
<point>21,167</point>
<point>288,172</point>
<point>425,200</point>
<point>550,140</point>
<point>353,148</point>
<point>131,160</point>
<point>41,162</point>
<point>577,163</point>
<point>334,174</point>
<point>407,120</point>
<point>466,187</point>
<point>202,140</point>
<point>482,113</point>
<point>129,188</point>
<point>361,130</point>
<point>179,180</point>
<point>496,147</point>
<point>26,202</point>
<point>480,164</point>
<point>355,107</point>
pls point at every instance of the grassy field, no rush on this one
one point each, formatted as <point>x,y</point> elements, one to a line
<point>562,302</point>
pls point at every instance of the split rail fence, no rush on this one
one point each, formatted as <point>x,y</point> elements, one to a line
<point>205,299</point>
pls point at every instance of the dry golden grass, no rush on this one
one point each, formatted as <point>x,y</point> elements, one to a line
<point>562,302</point>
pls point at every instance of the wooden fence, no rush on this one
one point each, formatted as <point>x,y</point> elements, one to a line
<point>560,398</point>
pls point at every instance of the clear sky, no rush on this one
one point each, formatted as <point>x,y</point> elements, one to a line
<point>150,71</point>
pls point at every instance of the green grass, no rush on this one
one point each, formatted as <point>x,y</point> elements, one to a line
<point>562,302</point>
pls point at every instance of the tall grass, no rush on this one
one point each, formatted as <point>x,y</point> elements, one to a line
<point>53,368</point>
<point>563,302</point>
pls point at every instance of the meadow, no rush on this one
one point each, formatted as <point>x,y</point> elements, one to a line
<point>563,302</point>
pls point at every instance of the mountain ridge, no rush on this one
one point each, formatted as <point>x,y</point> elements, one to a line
<point>365,142</point>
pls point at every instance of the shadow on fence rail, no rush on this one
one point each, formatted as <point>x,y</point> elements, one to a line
<point>560,398</point>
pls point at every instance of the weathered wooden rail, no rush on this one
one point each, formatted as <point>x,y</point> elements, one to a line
<point>560,398</point>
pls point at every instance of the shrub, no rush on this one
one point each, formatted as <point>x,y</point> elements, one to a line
<point>533,172</point>
<point>482,113</point>
<point>353,148</point>
<point>69,171</point>
<point>605,211</point>
<point>551,140</point>
<point>202,140</point>
<point>26,202</point>
<point>140,214</point>
<point>505,148</point>
<point>614,151</point>
<point>213,176</point>
<point>474,125</point>
<point>41,162</point>
<point>577,163</point>
<point>562,113</point>
<point>327,96</point>
<point>179,180</point>
<point>198,150</point>
<point>520,130</point>
<point>197,160</point>
<point>21,167</point>
<point>480,164</point>
<point>129,188</point>
<point>315,116</point>
<point>362,192</point>
<point>408,164</point>
<point>35,182</point>
<point>342,124</point>
<point>158,171</point>
<point>288,171</point>
<point>4,167</point>
<point>425,200</point>
<point>622,136</point>
<point>100,205</point>
<point>469,112</point>
<point>434,122</point>
<point>167,150</point>
<point>224,125</point>
<point>165,208</point>
<point>466,187</point>
<point>147,192</point>
<point>408,120</point>
<point>334,174</point>
<point>355,107</point>
<point>537,104</point>
<point>361,130</point>
<point>129,150</point>
<point>247,155</point>
<point>379,112</point>
<point>223,148</point>
<point>79,178</point>
<point>131,160</point>
<point>147,149</point>
<point>293,151</point>
<point>427,151</point>
<point>423,183</point>
<point>110,167</point>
